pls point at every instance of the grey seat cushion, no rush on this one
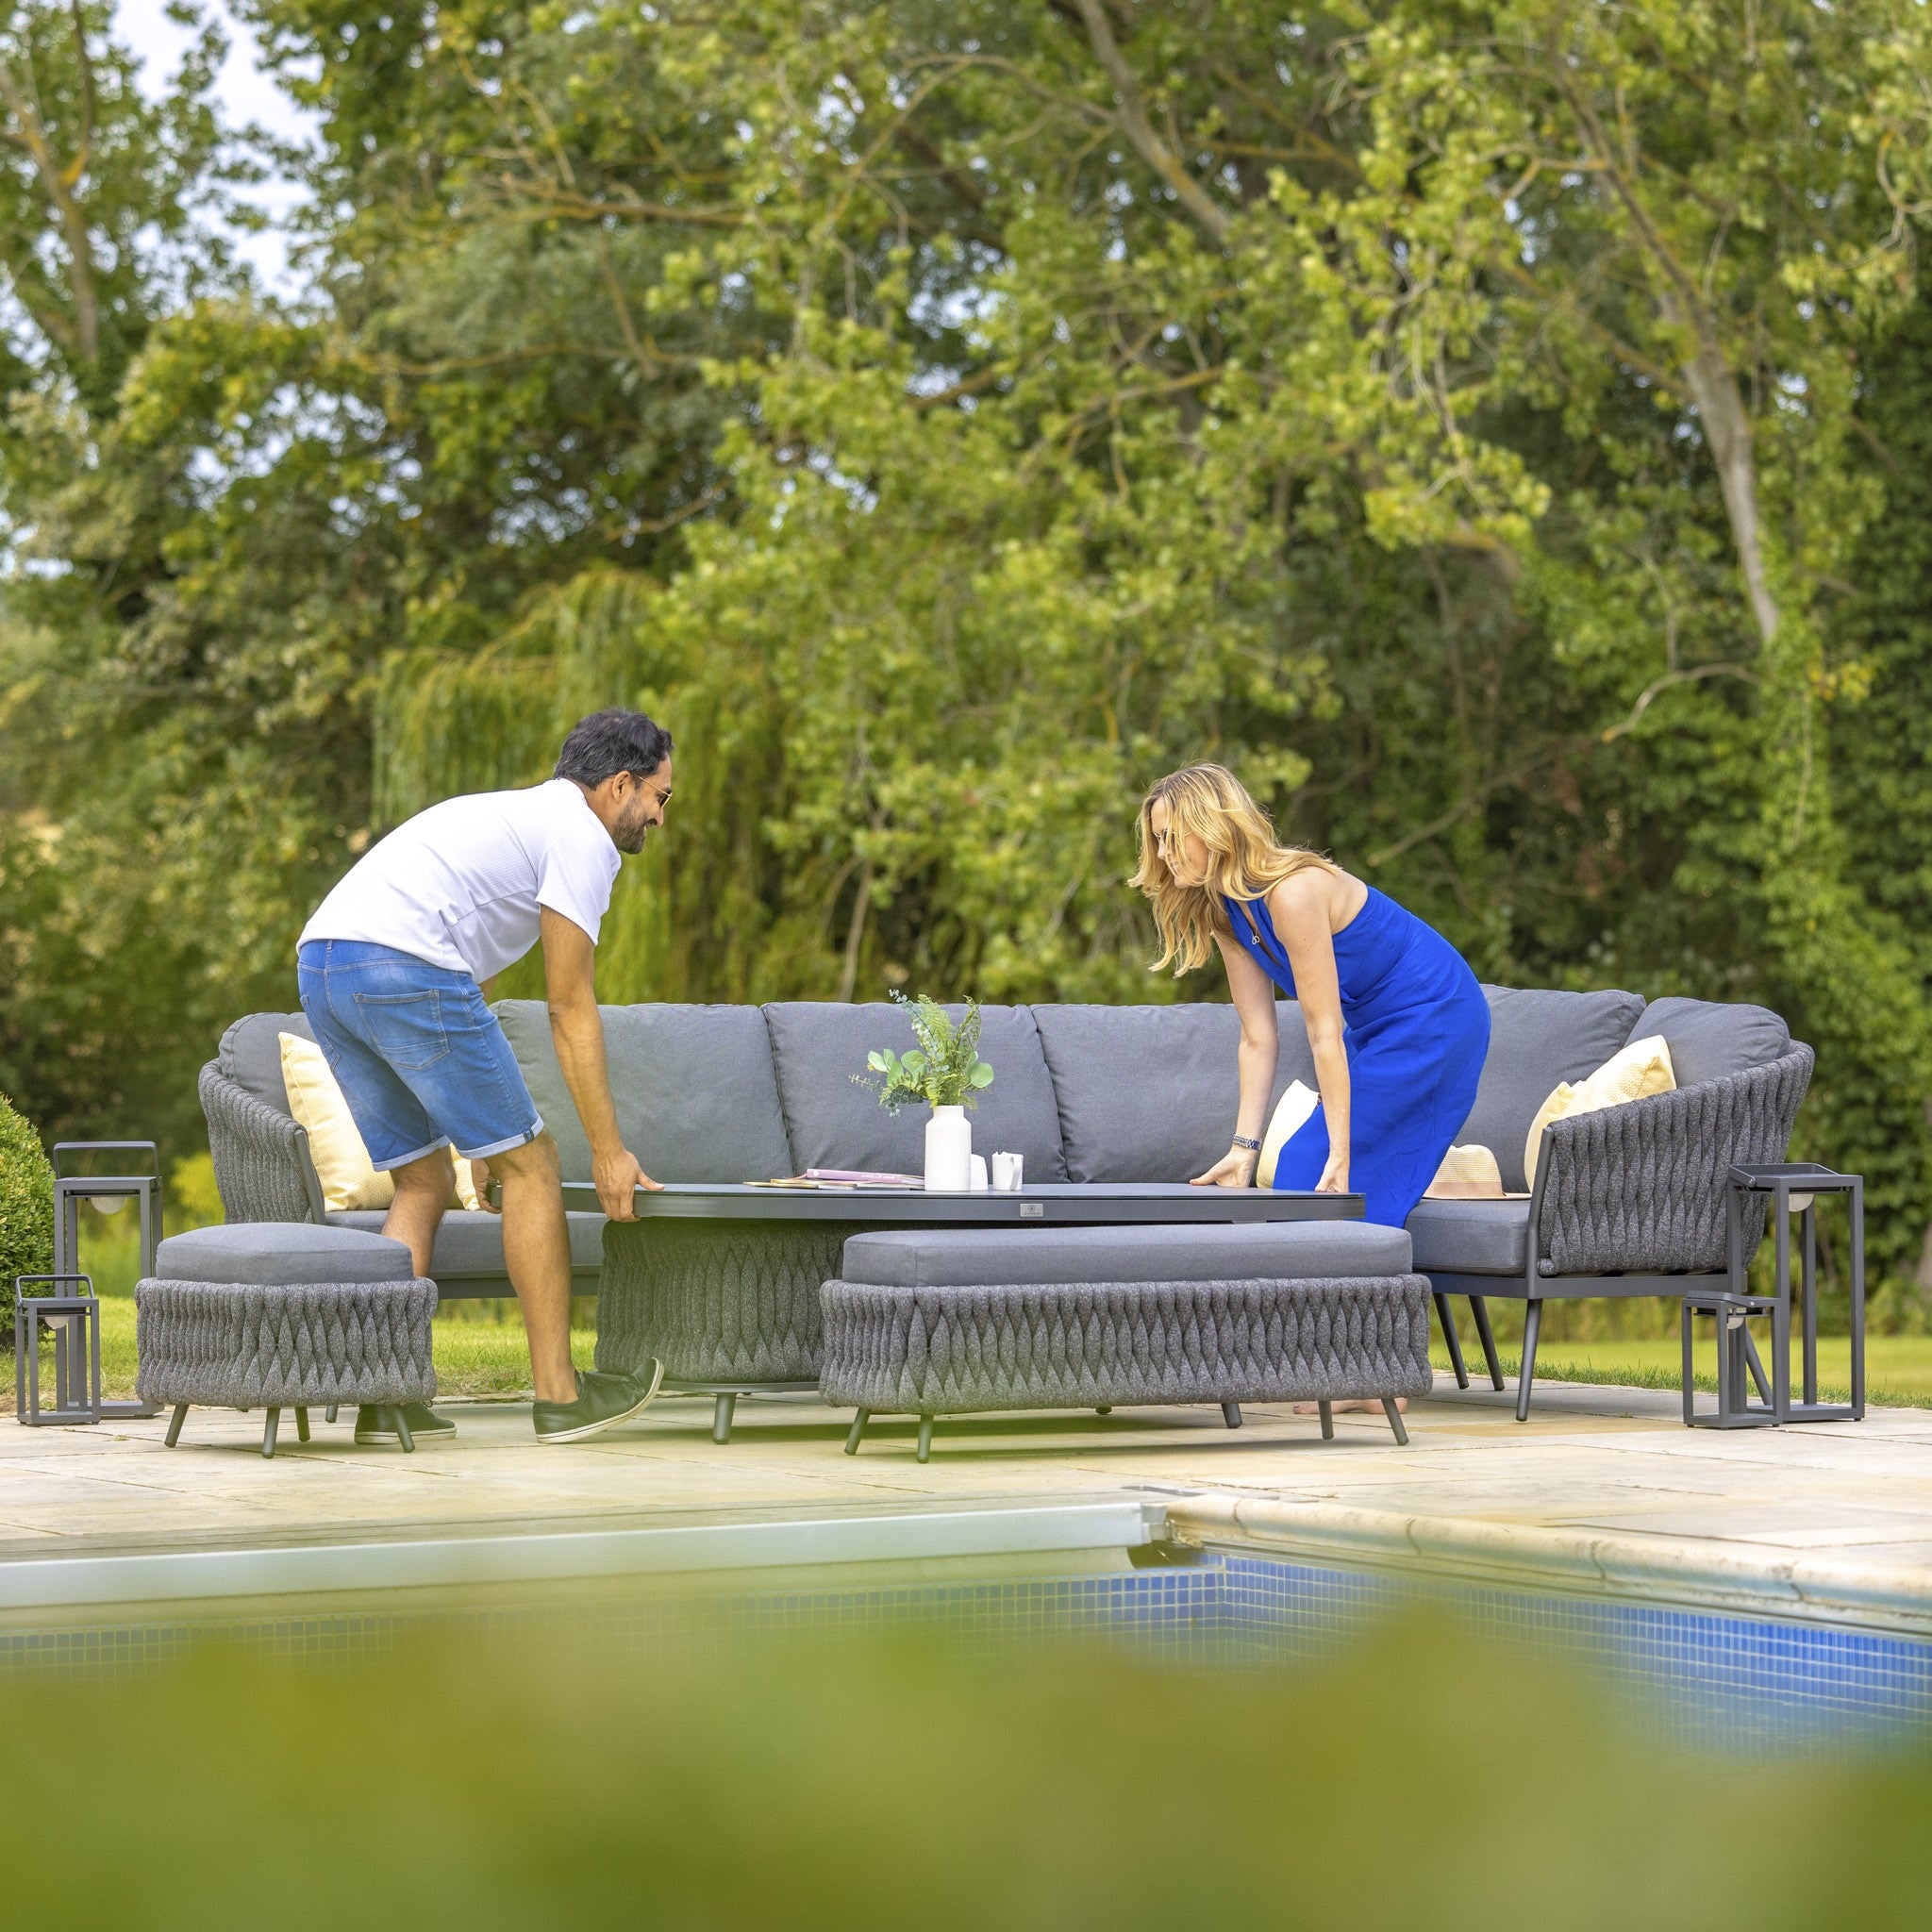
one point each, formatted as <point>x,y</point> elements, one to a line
<point>1536,1039</point>
<point>1470,1237</point>
<point>817,1046</point>
<point>1265,1251</point>
<point>469,1244</point>
<point>273,1254</point>
<point>695,1095</point>
<point>1710,1039</point>
<point>250,1055</point>
<point>1150,1093</point>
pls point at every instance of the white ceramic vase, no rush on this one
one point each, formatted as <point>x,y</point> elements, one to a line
<point>948,1151</point>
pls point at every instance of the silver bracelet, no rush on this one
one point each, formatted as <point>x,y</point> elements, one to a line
<point>1242,1141</point>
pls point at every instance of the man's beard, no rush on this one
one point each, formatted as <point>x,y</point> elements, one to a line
<point>631,832</point>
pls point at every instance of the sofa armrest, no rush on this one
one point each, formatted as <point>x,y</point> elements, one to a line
<point>1640,1186</point>
<point>261,1157</point>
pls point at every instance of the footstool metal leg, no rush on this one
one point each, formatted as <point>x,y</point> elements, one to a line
<point>1327,1413</point>
<point>721,1418</point>
<point>857,1431</point>
<point>1479,1308</point>
<point>1105,1408</point>
<point>1394,1415</point>
<point>329,1415</point>
<point>1453,1340</point>
<point>174,1423</point>
<point>403,1435</point>
<point>926,1438</point>
<point>301,1424</point>
<point>1231,1414</point>
<point>268,1429</point>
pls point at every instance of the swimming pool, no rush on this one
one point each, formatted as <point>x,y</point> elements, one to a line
<point>1692,1678</point>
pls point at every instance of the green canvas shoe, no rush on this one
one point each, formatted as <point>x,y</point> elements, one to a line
<point>374,1426</point>
<point>604,1400</point>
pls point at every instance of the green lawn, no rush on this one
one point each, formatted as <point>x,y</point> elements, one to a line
<point>1898,1368</point>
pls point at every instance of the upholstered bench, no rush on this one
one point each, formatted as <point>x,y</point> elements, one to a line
<point>944,1320</point>
<point>275,1315</point>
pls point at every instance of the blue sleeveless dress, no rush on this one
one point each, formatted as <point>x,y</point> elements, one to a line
<point>1417,1028</point>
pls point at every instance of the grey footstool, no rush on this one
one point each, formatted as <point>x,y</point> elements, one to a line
<point>936,1321</point>
<point>284,1314</point>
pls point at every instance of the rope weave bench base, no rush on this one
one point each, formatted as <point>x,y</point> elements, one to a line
<point>939,1351</point>
<point>245,1345</point>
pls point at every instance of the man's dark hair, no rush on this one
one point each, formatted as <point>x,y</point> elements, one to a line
<point>610,741</point>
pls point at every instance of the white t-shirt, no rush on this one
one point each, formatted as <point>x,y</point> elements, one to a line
<point>460,885</point>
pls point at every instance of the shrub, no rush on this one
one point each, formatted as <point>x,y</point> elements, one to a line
<point>26,1210</point>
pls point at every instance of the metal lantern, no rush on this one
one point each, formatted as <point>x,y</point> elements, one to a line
<point>74,1321</point>
<point>108,1193</point>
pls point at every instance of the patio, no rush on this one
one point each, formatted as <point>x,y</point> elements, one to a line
<point>1602,1493</point>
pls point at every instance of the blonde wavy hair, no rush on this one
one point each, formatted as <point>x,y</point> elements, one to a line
<point>1244,860</point>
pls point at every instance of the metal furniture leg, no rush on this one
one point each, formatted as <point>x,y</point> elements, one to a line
<point>1326,1411</point>
<point>174,1423</point>
<point>1394,1415</point>
<point>268,1429</point>
<point>722,1413</point>
<point>329,1415</point>
<point>926,1438</point>
<point>857,1431</point>
<point>403,1435</point>
<point>1452,1339</point>
<point>1479,1308</point>
<point>1858,1299</point>
<point>1105,1409</point>
<point>1807,1278</point>
<point>301,1424</point>
<point>1532,1327</point>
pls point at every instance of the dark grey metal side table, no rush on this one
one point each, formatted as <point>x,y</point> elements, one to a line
<point>70,1189</point>
<point>1792,1187</point>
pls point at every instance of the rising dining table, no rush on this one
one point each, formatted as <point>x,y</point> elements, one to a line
<point>720,1280</point>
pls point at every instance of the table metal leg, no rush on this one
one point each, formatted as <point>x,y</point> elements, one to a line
<point>926,1438</point>
<point>1809,1277</point>
<point>1326,1411</point>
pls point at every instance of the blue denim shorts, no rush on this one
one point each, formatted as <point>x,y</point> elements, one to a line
<point>418,1054</point>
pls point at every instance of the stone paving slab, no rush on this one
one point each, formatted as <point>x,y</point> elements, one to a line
<point>1603,1489</point>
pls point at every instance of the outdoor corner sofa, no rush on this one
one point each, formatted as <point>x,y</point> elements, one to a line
<point>1629,1201</point>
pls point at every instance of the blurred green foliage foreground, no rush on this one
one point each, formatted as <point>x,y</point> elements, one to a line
<point>1421,1781</point>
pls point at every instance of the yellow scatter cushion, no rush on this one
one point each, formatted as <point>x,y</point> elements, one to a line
<point>342,1161</point>
<point>1290,1111</point>
<point>1641,1069</point>
<point>1469,1172</point>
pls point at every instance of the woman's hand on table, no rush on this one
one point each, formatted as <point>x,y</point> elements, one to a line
<point>1235,1169</point>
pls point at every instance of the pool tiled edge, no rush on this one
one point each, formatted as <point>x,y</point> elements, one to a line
<point>1684,1573</point>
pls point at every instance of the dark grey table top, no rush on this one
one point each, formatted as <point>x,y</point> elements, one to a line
<point>1095,1203</point>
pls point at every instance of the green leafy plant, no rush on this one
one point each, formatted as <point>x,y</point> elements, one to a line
<point>26,1210</point>
<point>943,1070</point>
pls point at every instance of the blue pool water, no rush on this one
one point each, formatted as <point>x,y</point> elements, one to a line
<point>1722,1683</point>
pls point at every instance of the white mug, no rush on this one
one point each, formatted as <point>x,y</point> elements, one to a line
<point>1007,1170</point>
<point>975,1182</point>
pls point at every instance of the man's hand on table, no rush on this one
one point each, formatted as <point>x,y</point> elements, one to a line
<point>618,1176</point>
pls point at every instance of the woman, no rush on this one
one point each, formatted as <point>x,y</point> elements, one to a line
<point>1395,1019</point>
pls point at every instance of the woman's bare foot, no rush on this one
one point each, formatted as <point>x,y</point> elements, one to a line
<point>1368,1405</point>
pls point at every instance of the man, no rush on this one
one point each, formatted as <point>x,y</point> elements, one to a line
<point>392,968</point>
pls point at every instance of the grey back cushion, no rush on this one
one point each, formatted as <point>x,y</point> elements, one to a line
<point>1708,1040</point>
<point>817,1047</point>
<point>693,1088</point>
<point>1536,1040</point>
<point>250,1055</point>
<point>1150,1093</point>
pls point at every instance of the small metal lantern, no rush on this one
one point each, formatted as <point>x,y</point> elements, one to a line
<point>1738,1364</point>
<point>108,1193</point>
<point>75,1323</point>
